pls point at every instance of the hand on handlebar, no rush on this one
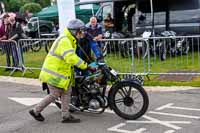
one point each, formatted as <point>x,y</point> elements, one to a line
<point>92,69</point>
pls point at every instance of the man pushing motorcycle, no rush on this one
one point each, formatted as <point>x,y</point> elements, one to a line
<point>58,71</point>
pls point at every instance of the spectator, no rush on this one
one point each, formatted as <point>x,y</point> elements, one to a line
<point>3,27</point>
<point>109,23</point>
<point>15,29</point>
<point>3,36</point>
<point>14,33</point>
<point>94,34</point>
<point>94,29</point>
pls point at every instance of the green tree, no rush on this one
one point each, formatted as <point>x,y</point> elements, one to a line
<point>14,5</point>
<point>43,3</point>
<point>31,7</point>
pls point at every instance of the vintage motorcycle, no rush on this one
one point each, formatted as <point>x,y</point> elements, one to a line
<point>105,88</point>
<point>172,44</point>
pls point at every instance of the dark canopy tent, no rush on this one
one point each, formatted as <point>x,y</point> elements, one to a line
<point>51,13</point>
<point>48,13</point>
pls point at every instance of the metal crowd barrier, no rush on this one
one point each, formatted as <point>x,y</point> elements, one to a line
<point>33,52</point>
<point>178,55</point>
<point>10,56</point>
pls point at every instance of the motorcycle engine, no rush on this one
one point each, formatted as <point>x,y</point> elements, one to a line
<point>94,88</point>
<point>97,102</point>
<point>94,104</point>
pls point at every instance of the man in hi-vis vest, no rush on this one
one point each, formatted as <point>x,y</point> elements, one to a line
<point>58,71</point>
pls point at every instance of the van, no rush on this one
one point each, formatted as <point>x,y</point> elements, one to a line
<point>183,22</point>
<point>129,19</point>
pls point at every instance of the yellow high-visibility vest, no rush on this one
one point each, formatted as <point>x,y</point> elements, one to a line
<point>57,69</point>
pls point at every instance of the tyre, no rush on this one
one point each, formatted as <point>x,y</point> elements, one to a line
<point>47,47</point>
<point>163,52</point>
<point>125,95</point>
<point>36,46</point>
<point>125,49</point>
<point>163,56</point>
<point>45,29</point>
<point>185,48</point>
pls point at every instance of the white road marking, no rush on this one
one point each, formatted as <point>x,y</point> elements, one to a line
<point>176,115</point>
<point>164,106</point>
<point>33,101</point>
<point>27,101</point>
<point>169,131</point>
<point>153,122</point>
<point>174,107</point>
<point>116,129</point>
<point>162,123</point>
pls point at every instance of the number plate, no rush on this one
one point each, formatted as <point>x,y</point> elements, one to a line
<point>113,72</point>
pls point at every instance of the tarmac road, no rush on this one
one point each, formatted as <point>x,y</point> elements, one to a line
<point>169,112</point>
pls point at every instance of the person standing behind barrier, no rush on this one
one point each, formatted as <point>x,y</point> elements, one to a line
<point>14,33</point>
<point>58,71</point>
<point>4,36</point>
<point>3,27</point>
<point>94,34</point>
<point>109,23</point>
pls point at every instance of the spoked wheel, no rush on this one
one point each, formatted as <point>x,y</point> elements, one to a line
<point>185,48</point>
<point>163,52</point>
<point>47,47</point>
<point>129,100</point>
<point>36,46</point>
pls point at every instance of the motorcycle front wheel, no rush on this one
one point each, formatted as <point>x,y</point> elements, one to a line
<point>128,100</point>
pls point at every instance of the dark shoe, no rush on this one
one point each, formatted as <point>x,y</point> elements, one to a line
<point>38,117</point>
<point>70,119</point>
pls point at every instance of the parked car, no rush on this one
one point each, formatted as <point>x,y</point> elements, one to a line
<point>34,24</point>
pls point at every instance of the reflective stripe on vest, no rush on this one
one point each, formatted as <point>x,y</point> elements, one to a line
<point>55,55</point>
<point>61,57</point>
<point>67,51</point>
<point>54,48</point>
<point>55,74</point>
<point>79,62</point>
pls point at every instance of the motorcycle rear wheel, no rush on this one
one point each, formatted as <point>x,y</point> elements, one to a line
<point>127,91</point>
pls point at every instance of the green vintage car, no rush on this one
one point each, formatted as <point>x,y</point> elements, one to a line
<point>44,26</point>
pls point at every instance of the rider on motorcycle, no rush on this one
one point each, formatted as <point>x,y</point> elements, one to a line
<point>58,69</point>
<point>90,43</point>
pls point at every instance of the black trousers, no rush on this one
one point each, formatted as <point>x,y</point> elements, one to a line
<point>11,52</point>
